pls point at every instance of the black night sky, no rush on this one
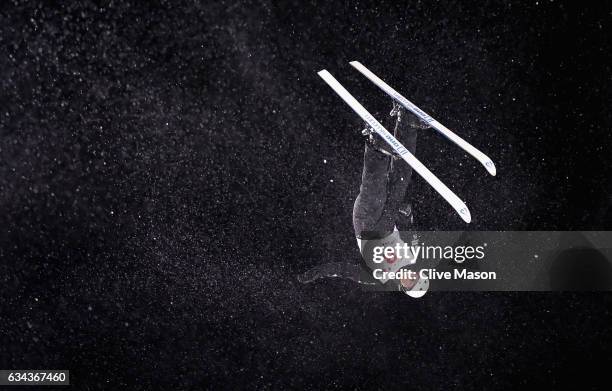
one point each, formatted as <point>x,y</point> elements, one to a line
<point>168,168</point>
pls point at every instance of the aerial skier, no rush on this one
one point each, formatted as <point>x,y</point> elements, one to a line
<point>381,203</point>
<point>383,200</point>
<point>383,189</point>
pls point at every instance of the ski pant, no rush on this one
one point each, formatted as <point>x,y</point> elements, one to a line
<point>383,188</point>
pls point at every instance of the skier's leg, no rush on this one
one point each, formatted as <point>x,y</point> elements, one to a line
<point>383,184</point>
<point>400,174</point>
<point>370,203</point>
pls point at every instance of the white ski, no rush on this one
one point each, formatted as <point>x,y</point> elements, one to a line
<point>467,147</point>
<point>440,187</point>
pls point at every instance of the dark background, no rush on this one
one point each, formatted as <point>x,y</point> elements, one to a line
<point>162,181</point>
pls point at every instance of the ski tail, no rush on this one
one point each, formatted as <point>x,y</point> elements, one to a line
<point>461,143</point>
<point>402,151</point>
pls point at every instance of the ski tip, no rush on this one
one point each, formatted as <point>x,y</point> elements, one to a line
<point>490,167</point>
<point>326,76</point>
<point>464,212</point>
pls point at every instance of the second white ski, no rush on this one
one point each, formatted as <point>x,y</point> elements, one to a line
<point>469,148</point>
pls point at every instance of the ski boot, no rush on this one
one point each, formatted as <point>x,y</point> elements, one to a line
<point>375,141</point>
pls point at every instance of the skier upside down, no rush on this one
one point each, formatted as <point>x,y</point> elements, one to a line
<point>381,201</point>
<point>384,183</point>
